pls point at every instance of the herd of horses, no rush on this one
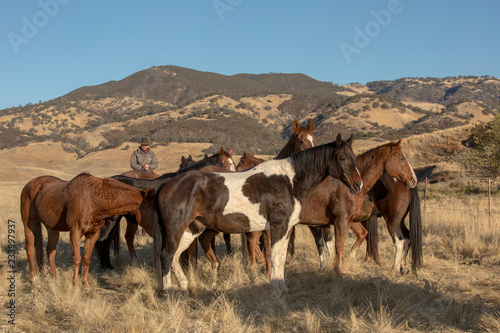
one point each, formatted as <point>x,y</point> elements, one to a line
<point>318,186</point>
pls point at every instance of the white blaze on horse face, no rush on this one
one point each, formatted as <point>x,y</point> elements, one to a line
<point>310,138</point>
<point>239,203</point>
<point>359,174</point>
<point>414,176</point>
<point>231,165</point>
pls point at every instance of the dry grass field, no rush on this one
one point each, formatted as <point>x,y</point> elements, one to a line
<point>457,289</point>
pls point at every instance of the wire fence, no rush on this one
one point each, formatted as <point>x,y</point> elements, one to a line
<point>490,211</point>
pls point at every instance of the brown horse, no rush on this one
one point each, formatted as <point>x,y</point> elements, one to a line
<point>329,203</point>
<point>79,206</point>
<point>248,161</point>
<point>267,197</point>
<point>221,159</point>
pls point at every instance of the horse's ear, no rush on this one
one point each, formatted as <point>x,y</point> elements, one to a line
<point>221,151</point>
<point>398,144</point>
<point>252,154</point>
<point>206,157</point>
<point>230,152</point>
<point>338,140</point>
<point>349,141</point>
<point>183,160</point>
<point>244,155</point>
<point>190,157</point>
<point>311,125</point>
<point>296,126</point>
<point>149,193</point>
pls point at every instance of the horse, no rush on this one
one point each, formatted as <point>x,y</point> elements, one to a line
<point>302,138</point>
<point>141,174</point>
<point>329,203</point>
<point>111,229</point>
<point>248,161</point>
<point>269,196</point>
<point>186,162</point>
<point>393,200</point>
<point>79,206</point>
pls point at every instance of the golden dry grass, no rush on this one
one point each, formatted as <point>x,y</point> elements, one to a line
<point>457,290</point>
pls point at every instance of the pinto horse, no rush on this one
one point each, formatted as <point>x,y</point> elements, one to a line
<point>302,138</point>
<point>79,206</point>
<point>269,196</point>
<point>329,203</point>
<point>111,229</point>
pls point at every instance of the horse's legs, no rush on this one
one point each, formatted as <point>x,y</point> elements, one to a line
<point>187,238</point>
<point>205,240</point>
<point>400,241</point>
<point>90,240</point>
<point>52,239</point>
<point>361,234</point>
<point>320,244</point>
<point>279,245</point>
<point>291,246</point>
<point>328,239</point>
<point>341,230</point>
<point>227,240</point>
<point>129,237</point>
<point>406,247</point>
<point>29,234</point>
<point>75,236</point>
<point>266,240</point>
<point>254,248</point>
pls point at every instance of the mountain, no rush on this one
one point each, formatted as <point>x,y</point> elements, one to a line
<point>247,111</point>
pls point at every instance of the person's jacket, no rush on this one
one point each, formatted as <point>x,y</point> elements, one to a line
<point>140,158</point>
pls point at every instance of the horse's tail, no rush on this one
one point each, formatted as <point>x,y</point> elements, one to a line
<point>371,226</point>
<point>39,246</point>
<point>415,230</point>
<point>158,237</point>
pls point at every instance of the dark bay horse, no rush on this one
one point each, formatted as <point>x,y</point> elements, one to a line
<point>111,229</point>
<point>267,197</point>
<point>79,206</point>
<point>330,204</point>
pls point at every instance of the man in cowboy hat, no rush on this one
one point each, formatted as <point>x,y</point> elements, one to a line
<point>143,159</point>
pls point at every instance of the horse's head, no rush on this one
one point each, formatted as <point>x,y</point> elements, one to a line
<point>398,167</point>
<point>186,162</point>
<point>144,215</point>
<point>303,138</point>
<point>248,161</point>
<point>343,165</point>
<point>226,159</point>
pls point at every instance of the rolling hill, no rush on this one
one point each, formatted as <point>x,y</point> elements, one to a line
<point>246,111</point>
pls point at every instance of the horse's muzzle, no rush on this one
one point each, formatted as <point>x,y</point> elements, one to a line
<point>357,186</point>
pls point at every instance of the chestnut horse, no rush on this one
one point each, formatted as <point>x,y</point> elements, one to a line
<point>267,197</point>
<point>111,229</point>
<point>79,206</point>
<point>329,203</point>
<point>248,161</point>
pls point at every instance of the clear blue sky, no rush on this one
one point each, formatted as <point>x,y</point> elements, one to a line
<point>51,47</point>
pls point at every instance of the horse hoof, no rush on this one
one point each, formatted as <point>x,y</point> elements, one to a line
<point>404,271</point>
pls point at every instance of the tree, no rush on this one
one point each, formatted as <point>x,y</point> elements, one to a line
<point>484,156</point>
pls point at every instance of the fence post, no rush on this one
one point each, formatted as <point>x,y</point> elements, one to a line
<point>425,195</point>
<point>489,201</point>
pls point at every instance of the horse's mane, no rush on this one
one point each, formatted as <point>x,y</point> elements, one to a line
<point>313,159</point>
<point>365,160</point>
